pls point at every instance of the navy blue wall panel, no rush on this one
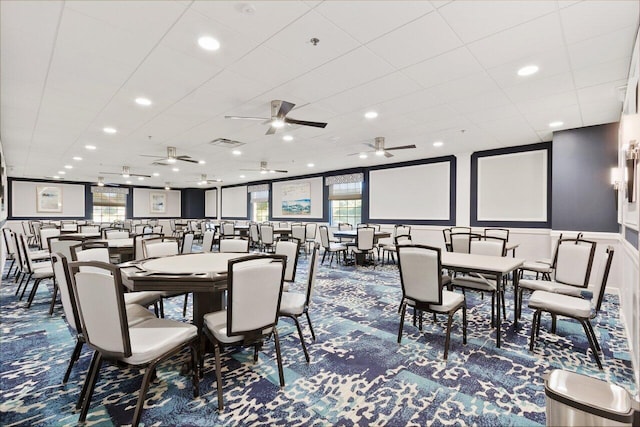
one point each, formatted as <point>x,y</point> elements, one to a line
<point>192,201</point>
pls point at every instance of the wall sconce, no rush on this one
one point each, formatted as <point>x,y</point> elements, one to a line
<point>631,154</point>
<point>615,182</point>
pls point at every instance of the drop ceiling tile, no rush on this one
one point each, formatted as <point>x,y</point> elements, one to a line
<point>548,103</point>
<point>449,66</point>
<point>589,19</point>
<point>504,112</point>
<point>596,74</point>
<point>542,35</point>
<point>374,20</point>
<point>570,116</point>
<point>416,41</point>
<point>474,20</point>
<point>549,64</point>
<point>605,48</point>
<point>463,88</point>
<point>604,93</point>
<point>540,88</point>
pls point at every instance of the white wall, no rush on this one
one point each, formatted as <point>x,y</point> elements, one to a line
<point>24,195</point>
<point>233,202</point>
<point>463,189</point>
<point>142,205</point>
<point>211,203</point>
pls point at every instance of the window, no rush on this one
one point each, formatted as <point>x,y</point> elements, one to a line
<point>346,203</point>
<point>109,207</point>
<point>259,206</point>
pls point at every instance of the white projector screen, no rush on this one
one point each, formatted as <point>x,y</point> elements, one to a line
<point>211,203</point>
<point>420,192</point>
<point>234,202</point>
<point>513,187</point>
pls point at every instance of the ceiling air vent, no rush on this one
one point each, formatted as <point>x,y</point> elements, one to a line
<point>227,143</point>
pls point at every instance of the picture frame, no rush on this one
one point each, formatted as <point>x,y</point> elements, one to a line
<point>48,198</point>
<point>157,202</point>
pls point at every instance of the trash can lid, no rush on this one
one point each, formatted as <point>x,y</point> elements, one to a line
<point>590,395</point>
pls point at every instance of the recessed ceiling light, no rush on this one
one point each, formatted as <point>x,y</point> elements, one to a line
<point>371,114</point>
<point>61,172</point>
<point>109,130</point>
<point>90,147</point>
<point>128,182</point>
<point>141,178</point>
<point>242,176</point>
<point>528,70</point>
<point>201,162</point>
<point>143,101</point>
<point>272,171</point>
<point>176,169</point>
<point>287,138</point>
<point>68,167</point>
<point>78,158</point>
<point>310,165</point>
<point>556,124</point>
<point>236,152</point>
<point>363,156</point>
<point>438,144</point>
<point>156,174</point>
<point>208,43</point>
<point>56,177</point>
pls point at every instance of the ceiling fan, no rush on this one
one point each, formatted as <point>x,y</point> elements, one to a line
<point>126,173</point>
<point>264,169</point>
<point>279,111</point>
<point>381,150</point>
<point>204,181</point>
<point>170,158</point>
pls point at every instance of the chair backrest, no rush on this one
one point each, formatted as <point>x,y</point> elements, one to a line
<point>324,236</point>
<point>574,258</point>
<point>35,230</point>
<point>137,243</point>
<point>401,230</point>
<point>164,246</point>
<point>63,279</point>
<point>228,229</point>
<point>313,269</point>
<point>82,253</point>
<point>404,239</point>
<point>446,233</point>
<point>90,229</point>
<point>299,231</point>
<point>70,226</point>
<point>116,234</point>
<point>207,240</point>
<point>311,230</point>
<point>172,224</point>
<point>283,224</point>
<point>26,229</point>
<point>62,245</point>
<point>254,294</point>
<point>420,273</point>
<point>344,226</point>
<point>234,245</point>
<point>45,233</point>
<point>364,241</point>
<point>461,242</point>
<point>492,246</point>
<point>98,290</point>
<point>460,229</point>
<point>187,243</point>
<point>9,240</point>
<point>290,249</point>
<point>602,277</point>
<point>266,234</point>
<point>23,257</point>
<point>502,233</point>
<point>139,228</point>
<point>254,232</point>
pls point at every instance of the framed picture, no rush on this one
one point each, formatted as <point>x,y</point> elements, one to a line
<point>48,198</point>
<point>157,202</point>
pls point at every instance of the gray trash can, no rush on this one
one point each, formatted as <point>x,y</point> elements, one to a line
<point>577,400</point>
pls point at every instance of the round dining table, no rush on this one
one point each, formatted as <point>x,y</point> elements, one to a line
<point>204,274</point>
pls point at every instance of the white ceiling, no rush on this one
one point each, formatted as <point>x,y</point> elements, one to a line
<point>433,70</point>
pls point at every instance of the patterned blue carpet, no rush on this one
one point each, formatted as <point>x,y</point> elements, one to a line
<point>358,374</point>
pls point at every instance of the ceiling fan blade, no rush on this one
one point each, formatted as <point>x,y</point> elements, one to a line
<point>159,163</point>
<point>271,130</point>
<point>401,147</point>
<point>190,160</point>
<point>281,171</point>
<point>305,123</point>
<point>250,170</point>
<point>285,107</point>
<point>387,154</point>
<point>149,155</point>
<point>111,173</point>
<point>370,145</point>
<point>139,174</point>
<point>245,118</point>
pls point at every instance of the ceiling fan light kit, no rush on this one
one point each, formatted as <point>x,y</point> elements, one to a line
<point>279,111</point>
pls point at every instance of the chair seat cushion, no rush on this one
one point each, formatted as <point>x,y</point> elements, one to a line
<point>144,298</point>
<point>44,272</point>
<point>550,286</point>
<point>560,304</point>
<point>137,314</point>
<point>538,267</point>
<point>216,322</point>
<point>39,255</point>
<point>544,261</point>
<point>335,247</point>
<point>154,337</point>
<point>292,303</point>
<point>450,300</point>
<point>476,283</point>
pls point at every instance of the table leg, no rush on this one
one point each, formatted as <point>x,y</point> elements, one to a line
<point>206,302</point>
<point>498,302</point>
<point>516,312</point>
